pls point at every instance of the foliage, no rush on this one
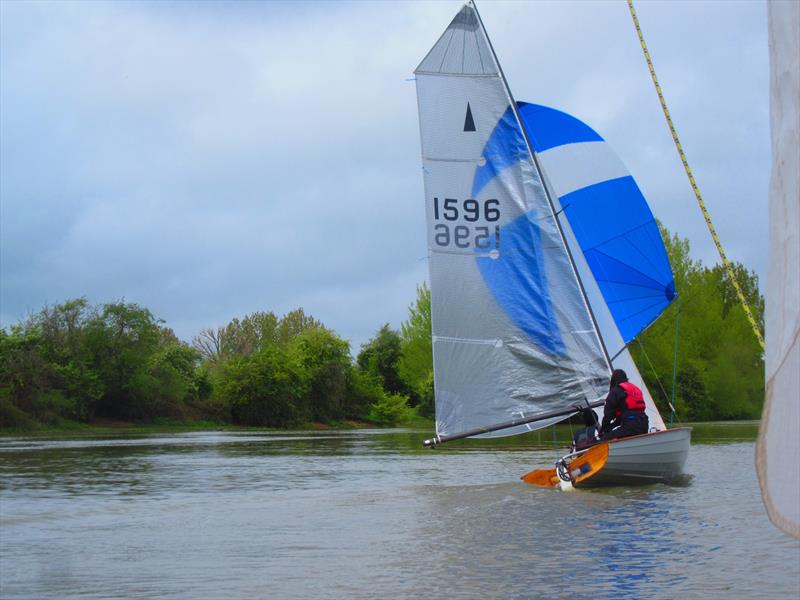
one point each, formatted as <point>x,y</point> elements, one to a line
<point>326,361</point>
<point>278,372</point>
<point>379,357</point>
<point>264,388</point>
<point>390,410</point>
<point>415,366</point>
<point>73,361</point>
<point>720,367</point>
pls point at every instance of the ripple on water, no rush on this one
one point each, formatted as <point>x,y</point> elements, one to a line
<point>369,514</point>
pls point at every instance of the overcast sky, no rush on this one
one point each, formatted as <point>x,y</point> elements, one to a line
<point>208,160</point>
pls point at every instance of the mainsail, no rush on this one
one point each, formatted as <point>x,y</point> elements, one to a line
<point>513,332</point>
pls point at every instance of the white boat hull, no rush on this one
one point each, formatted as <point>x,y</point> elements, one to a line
<point>649,458</point>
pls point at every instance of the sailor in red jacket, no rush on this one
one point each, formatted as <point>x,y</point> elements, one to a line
<point>623,414</point>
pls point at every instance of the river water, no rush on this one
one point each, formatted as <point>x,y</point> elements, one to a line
<point>371,514</point>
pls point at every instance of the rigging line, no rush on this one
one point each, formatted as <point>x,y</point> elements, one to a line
<point>658,379</point>
<point>675,359</point>
<point>706,216</point>
<point>620,351</point>
<point>654,319</point>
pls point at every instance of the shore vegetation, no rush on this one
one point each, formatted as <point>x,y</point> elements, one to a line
<point>75,364</point>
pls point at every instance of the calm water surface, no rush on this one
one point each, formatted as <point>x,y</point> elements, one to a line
<point>370,514</point>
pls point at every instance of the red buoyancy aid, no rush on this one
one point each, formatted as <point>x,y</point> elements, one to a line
<point>634,400</point>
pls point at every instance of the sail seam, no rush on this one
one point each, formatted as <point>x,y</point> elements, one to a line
<point>463,49</point>
<point>445,74</point>
<point>478,50</point>
<point>638,312</point>
<point>456,340</point>
<point>621,235</point>
<point>444,54</point>
<point>452,160</point>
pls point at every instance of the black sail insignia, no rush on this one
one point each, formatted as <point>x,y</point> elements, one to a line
<point>469,122</point>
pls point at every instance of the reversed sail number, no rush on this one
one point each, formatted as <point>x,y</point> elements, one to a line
<point>471,211</point>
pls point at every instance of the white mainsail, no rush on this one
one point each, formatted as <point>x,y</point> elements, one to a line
<point>778,448</point>
<point>512,330</point>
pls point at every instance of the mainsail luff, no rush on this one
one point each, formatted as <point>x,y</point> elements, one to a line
<point>512,331</point>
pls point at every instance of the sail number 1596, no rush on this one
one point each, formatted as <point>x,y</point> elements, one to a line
<point>466,235</point>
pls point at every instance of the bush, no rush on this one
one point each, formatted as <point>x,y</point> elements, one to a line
<point>390,410</point>
<point>265,389</point>
<point>363,390</point>
<point>11,416</point>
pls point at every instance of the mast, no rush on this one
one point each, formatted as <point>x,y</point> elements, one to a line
<point>545,187</point>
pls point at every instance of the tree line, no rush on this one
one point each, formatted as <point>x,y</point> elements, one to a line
<point>79,362</point>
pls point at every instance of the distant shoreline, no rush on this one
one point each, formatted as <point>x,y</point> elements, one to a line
<point>711,431</point>
<point>107,426</point>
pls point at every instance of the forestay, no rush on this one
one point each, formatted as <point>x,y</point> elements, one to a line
<point>512,331</point>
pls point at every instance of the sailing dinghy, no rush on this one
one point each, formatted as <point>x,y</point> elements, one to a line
<point>545,262</point>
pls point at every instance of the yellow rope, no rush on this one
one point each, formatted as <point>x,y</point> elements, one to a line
<point>727,265</point>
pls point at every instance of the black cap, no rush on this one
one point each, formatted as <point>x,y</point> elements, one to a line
<point>617,377</point>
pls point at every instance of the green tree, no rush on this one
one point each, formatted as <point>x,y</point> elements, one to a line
<point>325,359</point>
<point>265,389</point>
<point>294,323</point>
<point>720,365</point>
<point>380,357</point>
<point>415,366</point>
<point>363,390</point>
<point>121,341</point>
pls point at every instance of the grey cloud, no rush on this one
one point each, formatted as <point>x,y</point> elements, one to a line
<point>208,160</point>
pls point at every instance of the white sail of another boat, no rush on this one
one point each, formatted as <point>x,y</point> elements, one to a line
<point>778,449</point>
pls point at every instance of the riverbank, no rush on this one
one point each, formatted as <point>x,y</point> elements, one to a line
<point>558,435</point>
<point>67,428</point>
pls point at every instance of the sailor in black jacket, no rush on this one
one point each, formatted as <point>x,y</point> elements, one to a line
<point>624,411</point>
